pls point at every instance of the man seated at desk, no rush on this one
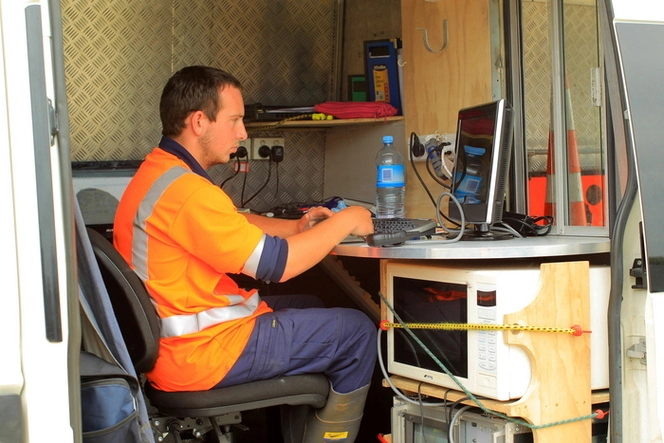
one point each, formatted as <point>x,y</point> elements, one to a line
<point>182,235</point>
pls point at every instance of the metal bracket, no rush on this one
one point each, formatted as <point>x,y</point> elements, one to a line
<point>638,350</point>
<point>638,271</point>
<point>53,123</point>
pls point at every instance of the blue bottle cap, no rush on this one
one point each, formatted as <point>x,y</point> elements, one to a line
<point>388,139</point>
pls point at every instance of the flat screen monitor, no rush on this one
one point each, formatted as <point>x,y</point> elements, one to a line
<point>481,168</point>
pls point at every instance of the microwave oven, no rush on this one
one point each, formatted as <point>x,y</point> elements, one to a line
<point>477,293</point>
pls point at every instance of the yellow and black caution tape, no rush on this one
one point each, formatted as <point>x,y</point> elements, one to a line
<point>575,330</point>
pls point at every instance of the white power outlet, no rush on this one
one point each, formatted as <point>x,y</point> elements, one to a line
<point>449,138</point>
<point>247,145</point>
<point>264,141</point>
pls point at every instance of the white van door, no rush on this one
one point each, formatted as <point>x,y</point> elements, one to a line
<point>39,323</point>
<point>637,305</point>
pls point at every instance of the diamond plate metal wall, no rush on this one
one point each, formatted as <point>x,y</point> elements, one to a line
<point>116,62</point>
<point>119,54</point>
<point>282,50</point>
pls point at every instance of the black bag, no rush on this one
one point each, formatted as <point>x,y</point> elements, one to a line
<point>109,411</point>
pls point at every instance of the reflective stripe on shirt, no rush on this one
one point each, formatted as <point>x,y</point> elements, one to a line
<point>178,325</point>
<point>140,238</point>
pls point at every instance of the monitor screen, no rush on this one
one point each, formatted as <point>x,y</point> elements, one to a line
<point>481,167</point>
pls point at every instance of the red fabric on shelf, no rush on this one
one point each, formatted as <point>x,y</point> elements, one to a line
<point>356,109</point>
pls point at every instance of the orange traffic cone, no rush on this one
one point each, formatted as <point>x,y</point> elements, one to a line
<point>550,201</point>
<point>577,208</point>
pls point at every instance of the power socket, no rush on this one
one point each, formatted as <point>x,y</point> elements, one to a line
<point>427,140</point>
<point>264,141</point>
<point>247,145</point>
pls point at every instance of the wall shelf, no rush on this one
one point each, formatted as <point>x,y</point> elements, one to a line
<point>294,124</point>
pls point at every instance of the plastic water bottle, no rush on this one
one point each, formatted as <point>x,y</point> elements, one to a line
<point>390,181</point>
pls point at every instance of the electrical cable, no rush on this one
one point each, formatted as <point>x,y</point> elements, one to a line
<point>434,176</point>
<point>386,376</point>
<point>450,410</point>
<point>413,139</point>
<point>505,228</point>
<point>444,152</point>
<point>419,399</point>
<point>462,224</point>
<point>527,225</point>
<point>436,149</point>
<point>237,163</point>
<point>450,427</point>
<point>269,174</point>
<point>244,186</point>
<point>276,188</point>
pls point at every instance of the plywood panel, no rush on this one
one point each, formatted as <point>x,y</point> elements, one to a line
<point>437,85</point>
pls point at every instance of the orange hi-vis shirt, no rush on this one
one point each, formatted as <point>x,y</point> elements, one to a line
<point>182,235</point>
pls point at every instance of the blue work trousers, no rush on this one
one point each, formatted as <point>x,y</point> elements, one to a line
<point>300,337</point>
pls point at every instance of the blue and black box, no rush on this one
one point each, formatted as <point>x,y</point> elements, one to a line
<point>382,71</point>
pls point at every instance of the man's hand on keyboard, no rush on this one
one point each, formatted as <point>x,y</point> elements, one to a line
<point>314,216</point>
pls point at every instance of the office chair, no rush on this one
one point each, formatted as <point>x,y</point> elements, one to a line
<point>189,414</point>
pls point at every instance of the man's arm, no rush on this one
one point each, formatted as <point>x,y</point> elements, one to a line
<point>313,236</point>
<point>310,246</point>
<point>280,227</point>
<point>284,228</point>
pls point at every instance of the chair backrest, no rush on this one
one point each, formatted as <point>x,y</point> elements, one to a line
<point>137,317</point>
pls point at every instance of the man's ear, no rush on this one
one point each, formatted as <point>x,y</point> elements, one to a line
<point>196,122</point>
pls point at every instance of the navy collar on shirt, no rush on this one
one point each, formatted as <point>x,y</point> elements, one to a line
<point>172,147</point>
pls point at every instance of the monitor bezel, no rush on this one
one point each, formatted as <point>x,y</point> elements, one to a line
<point>483,216</point>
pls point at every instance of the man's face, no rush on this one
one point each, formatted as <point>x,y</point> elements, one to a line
<point>221,137</point>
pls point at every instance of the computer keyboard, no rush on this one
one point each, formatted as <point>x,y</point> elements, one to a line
<point>395,231</point>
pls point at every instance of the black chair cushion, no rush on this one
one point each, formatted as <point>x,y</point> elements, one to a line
<point>309,389</point>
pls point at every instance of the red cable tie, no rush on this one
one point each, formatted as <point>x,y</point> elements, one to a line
<point>578,330</point>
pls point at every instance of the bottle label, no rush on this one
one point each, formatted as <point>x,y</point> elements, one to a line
<point>390,176</point>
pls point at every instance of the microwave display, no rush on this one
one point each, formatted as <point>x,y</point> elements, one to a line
<point>422,301</point>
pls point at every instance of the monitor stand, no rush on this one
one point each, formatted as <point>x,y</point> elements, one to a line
<point>483,232</point>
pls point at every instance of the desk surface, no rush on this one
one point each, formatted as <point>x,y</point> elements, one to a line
<point>548,246</point>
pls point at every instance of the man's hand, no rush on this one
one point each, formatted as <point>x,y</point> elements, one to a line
<point>313,216</point>
<point>363,221</point>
